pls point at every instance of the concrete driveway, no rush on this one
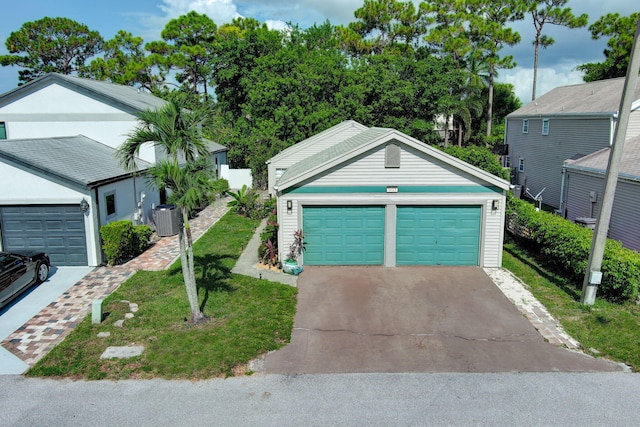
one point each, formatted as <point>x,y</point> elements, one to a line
<point>414,319</point>
<point>28,304</point>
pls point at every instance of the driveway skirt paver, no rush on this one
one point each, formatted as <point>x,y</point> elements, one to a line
<point>414,319</point>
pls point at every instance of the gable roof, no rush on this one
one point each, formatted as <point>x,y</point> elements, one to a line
<point>125,97</point>
<point>214,147</point>
<point>76,159</point>
<point>597,162</point>
<point>367,140</point>
<point>600,97</point>
<point>333,131</point>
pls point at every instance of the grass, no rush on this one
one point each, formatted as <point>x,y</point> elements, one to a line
<point>613,330</point>
<point>248,317</point>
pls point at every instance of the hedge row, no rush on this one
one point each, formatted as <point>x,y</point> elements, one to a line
<point>122,240</point>
<point>565,246</point>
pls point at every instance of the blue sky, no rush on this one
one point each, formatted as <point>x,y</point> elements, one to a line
<point>146,18</point>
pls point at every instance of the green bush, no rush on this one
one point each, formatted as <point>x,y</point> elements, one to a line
<point>122,240</point>
<point>565,246</point>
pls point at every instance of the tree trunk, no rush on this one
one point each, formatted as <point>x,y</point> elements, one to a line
<point>490,109</point>
<point>535,70</point>
<point>446,131</point>
<point>460,134</point>
<point>188,270</point>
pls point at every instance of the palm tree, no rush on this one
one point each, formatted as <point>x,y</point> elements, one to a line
<point>176,131</point>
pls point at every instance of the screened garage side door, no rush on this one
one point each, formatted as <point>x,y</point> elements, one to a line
<point>438,235</point>
<point>55,229</point>
<point>344,235</point>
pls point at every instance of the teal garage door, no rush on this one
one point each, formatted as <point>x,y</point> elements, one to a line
<point>343,235</point>
<point>437,235</point>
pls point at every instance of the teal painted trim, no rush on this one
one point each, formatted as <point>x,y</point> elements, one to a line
<point>401,189</point>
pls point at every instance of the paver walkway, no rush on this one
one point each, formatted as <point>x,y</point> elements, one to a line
<point>45,330</point>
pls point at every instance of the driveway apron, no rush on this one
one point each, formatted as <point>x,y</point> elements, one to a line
<point>414,319</point>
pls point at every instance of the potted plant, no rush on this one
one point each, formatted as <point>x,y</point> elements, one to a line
<point>290,264</point>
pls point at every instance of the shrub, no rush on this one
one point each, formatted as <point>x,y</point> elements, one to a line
<point>122,240</point>
<point>565,246</point>
<point>268,250</point>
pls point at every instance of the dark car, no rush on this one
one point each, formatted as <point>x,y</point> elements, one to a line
<point>19,271</point>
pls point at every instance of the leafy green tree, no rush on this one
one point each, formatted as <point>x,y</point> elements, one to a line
<point>188,46</point>
<point>620,30</point>
<point>176,131</point>
<point>489,35</point>
<point>238,46</point>
<point>550,12</point>
<point>384,24</point>
<point>47,45</point>
<point>480,157</point>
<point>124,62</point>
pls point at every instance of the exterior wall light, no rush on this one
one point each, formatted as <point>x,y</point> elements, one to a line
<point>495,205</point>
<point>289,206</point>
<point>84,206</point>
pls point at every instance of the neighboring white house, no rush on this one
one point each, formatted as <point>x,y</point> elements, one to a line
<point>566,123</point>
<point>43,113</point>
<point>584,186</point>
<point>57,192</point>
<point>375,196</point>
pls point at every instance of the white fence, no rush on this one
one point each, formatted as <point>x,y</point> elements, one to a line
<point>236,177</point>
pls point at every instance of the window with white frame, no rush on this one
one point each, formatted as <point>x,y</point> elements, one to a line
<point>507,161</point>
<point>3,130</point>
<point>525,126</point>
<point>545,126</point>
<point>521,165</point>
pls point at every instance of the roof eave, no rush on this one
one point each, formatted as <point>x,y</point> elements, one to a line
<point>391,135</point>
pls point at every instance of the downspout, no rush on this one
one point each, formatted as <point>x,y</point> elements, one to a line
<point>562,211</point>
<point>612,129</point>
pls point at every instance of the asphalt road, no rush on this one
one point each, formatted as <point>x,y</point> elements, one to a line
<point>609,399</point>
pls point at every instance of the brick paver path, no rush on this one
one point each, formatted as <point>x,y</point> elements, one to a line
<point>45,330</point>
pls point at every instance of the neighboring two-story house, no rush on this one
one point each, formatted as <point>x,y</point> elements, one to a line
<point>46,126</point>
<point>566,123</point>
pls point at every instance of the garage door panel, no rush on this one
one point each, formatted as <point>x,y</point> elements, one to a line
<point>344,235</point>
<point>57,230</point>
<point>438,235</point>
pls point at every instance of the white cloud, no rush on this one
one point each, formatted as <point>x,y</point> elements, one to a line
<point>548,78</point>
<point>221,11</point>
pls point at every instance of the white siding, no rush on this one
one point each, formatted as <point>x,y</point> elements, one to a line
<point>633,129</point>
<point>545,154</point>
<point>625,216</point>
<point>27,188</point>
<point>311,146</point>
<point>415,169</point>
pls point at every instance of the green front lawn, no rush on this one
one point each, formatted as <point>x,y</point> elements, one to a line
<point>613,330</point>
<point>248,317</point>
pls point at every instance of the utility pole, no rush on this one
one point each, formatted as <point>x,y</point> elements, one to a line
<point>593,275</point>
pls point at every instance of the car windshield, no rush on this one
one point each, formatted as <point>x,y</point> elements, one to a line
<point>6,261</point>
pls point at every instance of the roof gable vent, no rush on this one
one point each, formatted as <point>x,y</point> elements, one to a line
<point>392,156</point>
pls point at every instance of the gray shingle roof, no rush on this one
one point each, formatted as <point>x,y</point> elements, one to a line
<point>77,159</point>
<point>597,162</point>
<point>124,95</point>
<point>602,96</point>
<point>332,153</point>
<point>214,147</point>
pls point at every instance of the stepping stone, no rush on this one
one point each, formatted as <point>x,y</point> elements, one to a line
<point>104,334</point>
<point>128,316</point>
<point>123,352</point>
<point>118,323</point>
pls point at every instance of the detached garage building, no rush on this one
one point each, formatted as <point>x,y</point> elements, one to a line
<point>375,196</point>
